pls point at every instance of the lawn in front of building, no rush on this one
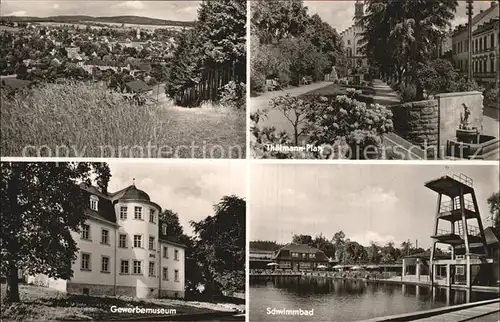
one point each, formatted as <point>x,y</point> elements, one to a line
<point>44,304</point>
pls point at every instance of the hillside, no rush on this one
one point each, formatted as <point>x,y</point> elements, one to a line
<point>116,19</point>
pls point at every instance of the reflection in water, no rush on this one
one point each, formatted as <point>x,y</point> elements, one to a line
<point>347,300</point>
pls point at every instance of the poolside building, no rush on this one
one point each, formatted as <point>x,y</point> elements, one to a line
<point>298,257</point>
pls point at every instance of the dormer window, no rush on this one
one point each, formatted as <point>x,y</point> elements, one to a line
<point>164,229</point>
<point>93,202</point>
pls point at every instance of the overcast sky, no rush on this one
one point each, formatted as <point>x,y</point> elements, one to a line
<point>339,14</point>
<point>378,203</point>
<point>188,188</point>
<point>169,10</point>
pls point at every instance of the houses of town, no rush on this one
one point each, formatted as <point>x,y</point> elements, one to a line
<point>124,249</point>
<point>485,48</point>
<point>49,53</point>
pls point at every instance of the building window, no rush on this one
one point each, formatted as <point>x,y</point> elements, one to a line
<point>122,241</point>
<point>151,268</point>
<point>85,265</point>
<point>460,270</point>
<point>124,267</point>
<point>164,229</point>
<point>348,41</point>
<point>312,255</point>
<point>492,41</point>
<point>176,255</point>
<point>93,202</point>
<point>138,213</point>
<point>137,241</point>
<point>492,65</point>
<point>85,232</point>
<point>123,212</point>
<point>165,273</point>
<point>137,267</point>
<point>151,243</point>
<point>295,255</point>
<point>152,216</point>
<point>105,264</point>
<point>105,236</point>
<point>165,252</point>
<point>176,275</point>
<point>485,66</point>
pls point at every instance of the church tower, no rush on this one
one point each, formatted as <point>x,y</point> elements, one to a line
<point>359,11</point>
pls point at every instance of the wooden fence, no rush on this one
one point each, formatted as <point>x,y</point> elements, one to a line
<point>208,88</point>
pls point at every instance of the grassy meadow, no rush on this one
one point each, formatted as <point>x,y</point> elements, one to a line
<point>87,120</point>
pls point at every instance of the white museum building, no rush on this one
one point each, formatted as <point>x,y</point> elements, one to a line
<point>123,249</point>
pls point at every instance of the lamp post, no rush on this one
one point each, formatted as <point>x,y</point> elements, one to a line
<point>469,27</point>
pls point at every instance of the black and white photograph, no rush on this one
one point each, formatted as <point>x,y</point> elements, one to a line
<point>370,79</point>
<point>374,242</point>
<point>119,79</point>
<point>123,241</point>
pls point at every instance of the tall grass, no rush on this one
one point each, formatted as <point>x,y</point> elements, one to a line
<point>90,119</point>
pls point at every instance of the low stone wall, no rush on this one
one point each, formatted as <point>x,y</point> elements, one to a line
<point>418,122</point>
<point>451,110</point>
<point>172,294</point>
<point>90,289</point>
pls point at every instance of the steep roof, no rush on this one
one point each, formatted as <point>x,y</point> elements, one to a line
<point>105,208</point>
<point>302,249</point>
<point>130,193</point>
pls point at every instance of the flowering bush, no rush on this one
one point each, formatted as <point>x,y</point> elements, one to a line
<point>358,124</point>
<point>491,97</point>
<point>233,95</point>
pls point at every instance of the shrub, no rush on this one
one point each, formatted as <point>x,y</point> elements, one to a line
<point>361,125</point>
<point>233,95</point>
<point>491,97</point>
<point>407,92</point>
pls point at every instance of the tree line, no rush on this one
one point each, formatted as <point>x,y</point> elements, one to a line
<point>401,38</point>
<point>288,44</point>
<point>217,40</point>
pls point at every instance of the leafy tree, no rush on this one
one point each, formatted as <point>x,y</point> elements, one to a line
<point>295,110</point>
<point>276,20</point>
<point>41,204</point>
<point>494,204</point>
<point>403,33</point>
<point>184,69</point>
<point>325,245</point>
<point>338,240</point>
<point>219,246</point>
<point>374,253</point>
<point>222,27</point>
<point>302,239</point>
<point>325,39</point>
<point>265,245</point>
<point>355,253</point>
